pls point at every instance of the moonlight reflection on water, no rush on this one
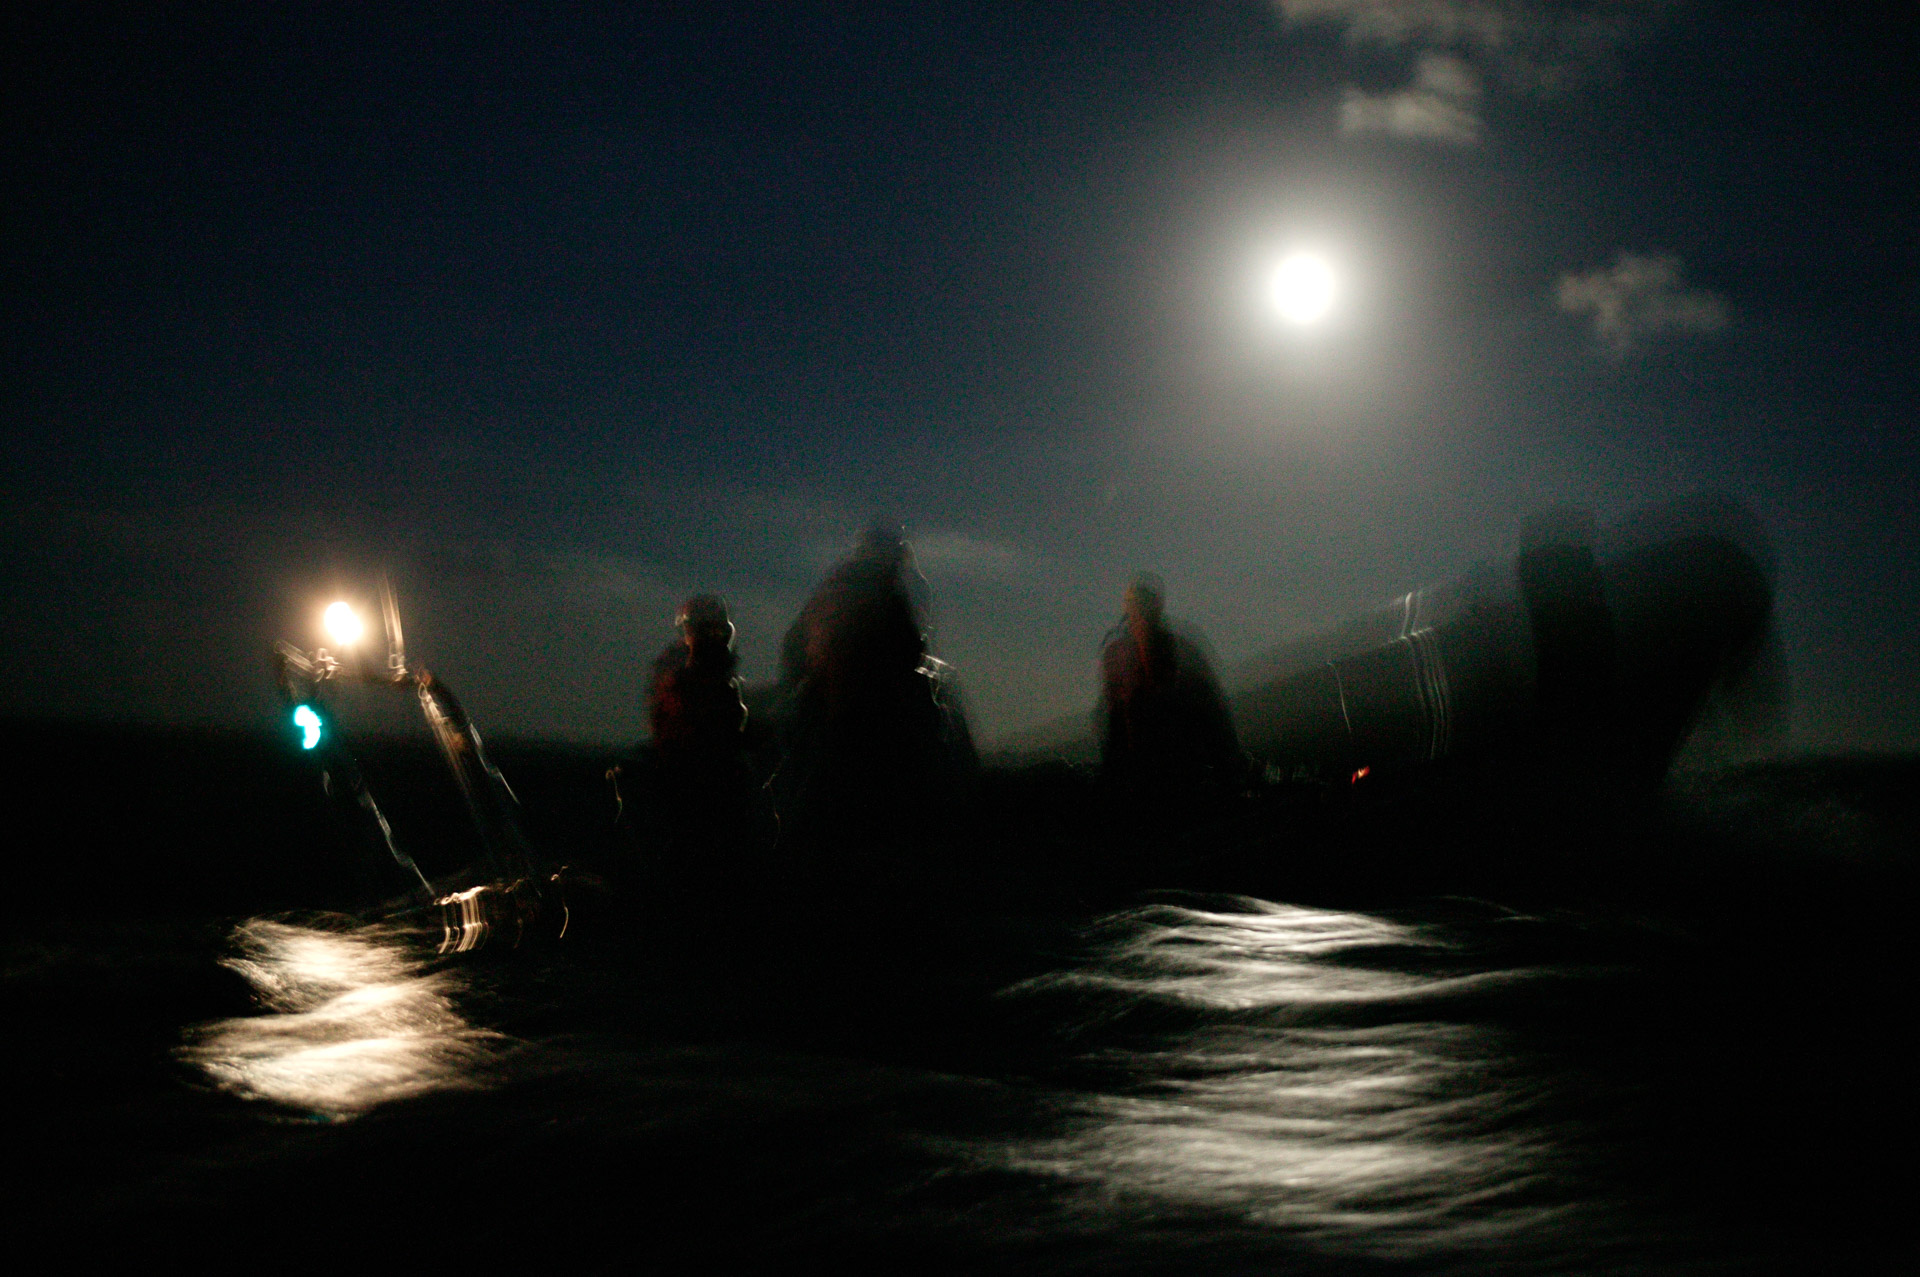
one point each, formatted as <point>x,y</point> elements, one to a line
<point>1225,1083</point>
<point>352,1020</point>
<point>1247,1094</point>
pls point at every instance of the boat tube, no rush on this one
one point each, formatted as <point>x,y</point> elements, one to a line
<point>1561,660</point>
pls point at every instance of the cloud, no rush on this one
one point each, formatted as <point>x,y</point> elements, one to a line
<point>1533,47</point>
<point>1442,105</point>
<point>1641,295</point>
<point>957,554</point>
<point>1483,23</point>
<point>597,579</point>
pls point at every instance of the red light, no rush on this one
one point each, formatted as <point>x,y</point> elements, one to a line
<point>1357,775</point>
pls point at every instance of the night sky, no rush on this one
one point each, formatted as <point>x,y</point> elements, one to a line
<point>560,314</point>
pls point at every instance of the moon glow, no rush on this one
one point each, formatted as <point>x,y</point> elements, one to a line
<point>343,624</point>
<point>1302,289</point>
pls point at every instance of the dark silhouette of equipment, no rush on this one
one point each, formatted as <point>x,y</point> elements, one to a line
<point>517,892</point>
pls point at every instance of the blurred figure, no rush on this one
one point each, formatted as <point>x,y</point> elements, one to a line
<point>877,736</point>
<point>1163,724</point>
<point>693,702</point>
<point>700,809</point>
<point>865,623</point>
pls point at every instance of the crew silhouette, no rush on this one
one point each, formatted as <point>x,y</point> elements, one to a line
<point>699,809</point>
<point>877,742</point>
<point>693,701</point>
<point>1164,729</point>
<point>871,747</point>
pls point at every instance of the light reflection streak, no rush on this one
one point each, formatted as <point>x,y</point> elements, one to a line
<point>1391,1139</point>
<point>353,1020</point>
<point>1273,956</point>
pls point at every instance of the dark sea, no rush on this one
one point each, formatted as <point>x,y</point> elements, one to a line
<point>1667,1041</point>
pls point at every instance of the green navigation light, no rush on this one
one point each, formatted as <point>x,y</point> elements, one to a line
<point>308,721</point>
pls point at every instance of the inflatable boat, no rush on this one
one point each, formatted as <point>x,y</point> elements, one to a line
<point>1560,659</point>
<point>1580,668</point>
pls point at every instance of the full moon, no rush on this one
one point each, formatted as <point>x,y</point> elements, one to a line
<point>1303,288</point>
<point>343,624</point>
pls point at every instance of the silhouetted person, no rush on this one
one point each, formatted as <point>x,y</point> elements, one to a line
<point>876,737</point>
<point>1164,727</point>
<point>864,626</point>
<point>1573,633</point>
<point>698,801</point>
<point>693,702</point>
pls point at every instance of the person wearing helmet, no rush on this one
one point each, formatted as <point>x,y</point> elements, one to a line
<point>1163,723</point>
<point>698,811</point>
<point>877,741</point>
<point>693,701</point>
<point>866,621</point>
